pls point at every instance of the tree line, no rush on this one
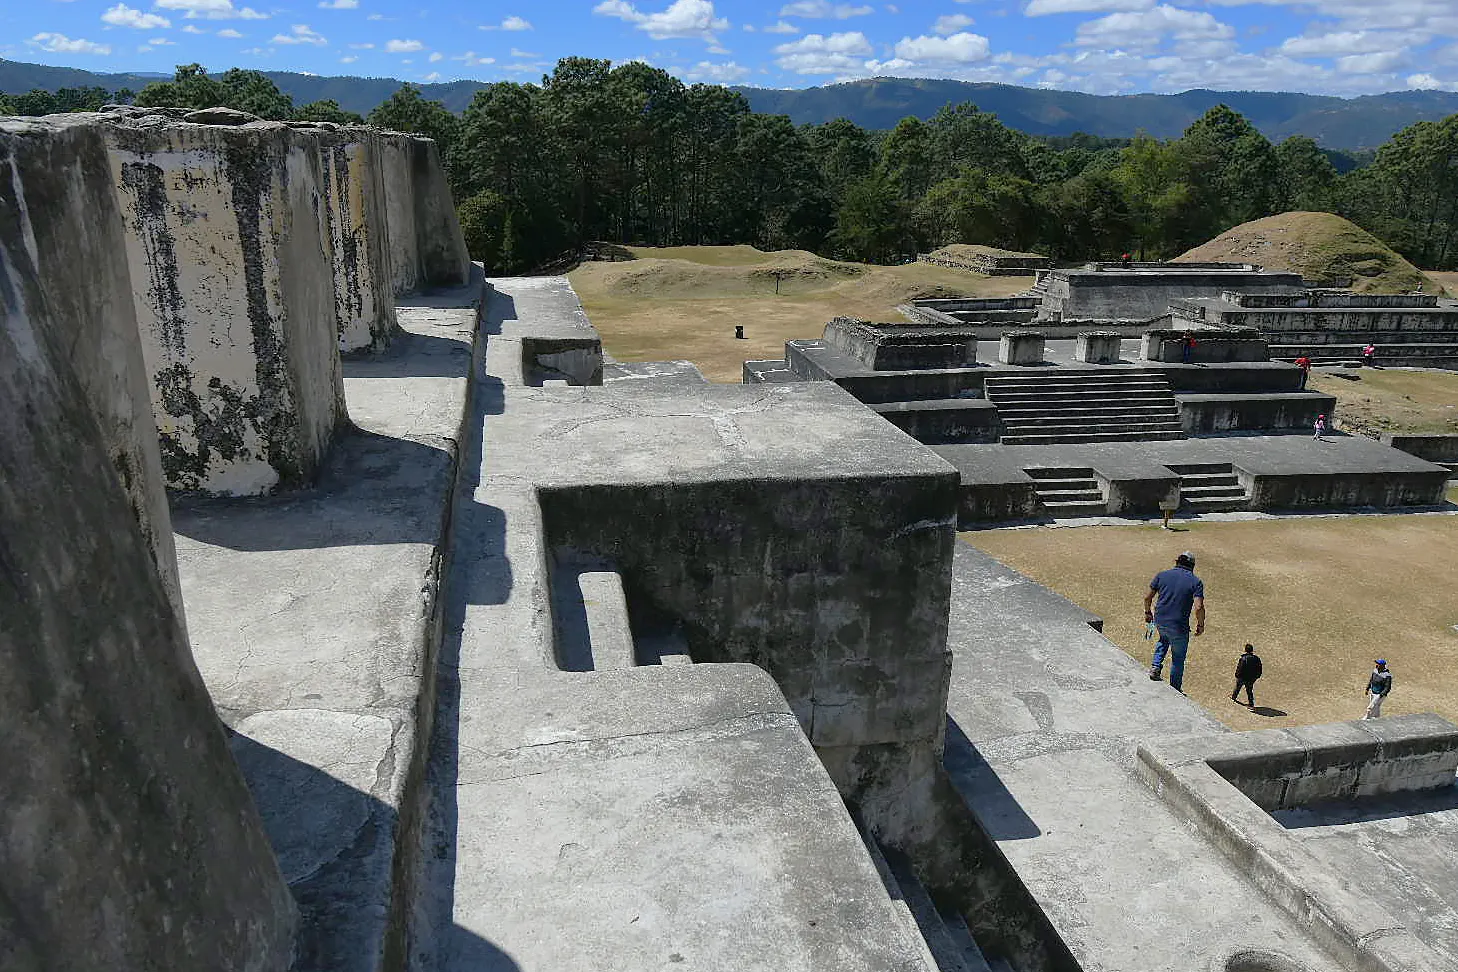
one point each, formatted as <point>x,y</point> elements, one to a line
<point>631,154</point>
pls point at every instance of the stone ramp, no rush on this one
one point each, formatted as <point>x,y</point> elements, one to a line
<point>640,816</point>
<point>1044,718</point>
<point>312,616</point>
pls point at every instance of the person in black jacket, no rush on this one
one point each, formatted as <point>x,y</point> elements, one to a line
<point>1247,670</point>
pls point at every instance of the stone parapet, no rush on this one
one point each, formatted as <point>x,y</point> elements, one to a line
<point>902,347</point>
<point>425,243</point>
<point>1098,347</point>
<point>127,837</point>
<point>1021,348</point>
<point>233,280</point>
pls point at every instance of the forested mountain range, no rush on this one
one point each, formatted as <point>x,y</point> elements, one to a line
<point>1338,123</point>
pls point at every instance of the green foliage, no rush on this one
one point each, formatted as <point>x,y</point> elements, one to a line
<point>327,110</point>
<point>1306,180</point>
<point>407,111</point>
<point>38,102</point>
<point>192,87</point>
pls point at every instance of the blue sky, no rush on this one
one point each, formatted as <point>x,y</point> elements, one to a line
<point>1344,47</point>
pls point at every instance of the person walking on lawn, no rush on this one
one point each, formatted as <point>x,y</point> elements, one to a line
<point>1247,670</point>
<point>1379,686</point>
<point>1179,592</point>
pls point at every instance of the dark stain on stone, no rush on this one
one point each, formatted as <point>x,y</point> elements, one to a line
<point>219,427</point>
<point>249,168</point>
<point>349,298</point>
<point>145,181</point>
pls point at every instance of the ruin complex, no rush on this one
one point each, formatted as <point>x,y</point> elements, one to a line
<point>359,613</point>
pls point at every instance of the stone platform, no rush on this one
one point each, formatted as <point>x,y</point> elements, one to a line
<point>1045,717</point>
<point>1275,472</point>
<point>313,621</point>
<point>598,807</point>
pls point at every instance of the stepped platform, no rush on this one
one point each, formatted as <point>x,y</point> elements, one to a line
<point>597,802</point>
<point>1045,722</point>
<point>1289,472</point>
<point>313,621</point>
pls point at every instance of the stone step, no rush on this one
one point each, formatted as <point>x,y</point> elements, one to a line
<point>1079,374</point>
<point>1210,479</point>
<point>1060,416</point>
<point>1042,428</point>
<point>944,950</point>
<point>1197,468</point>
<point>1212,492</point>
<point>972,957</point>
<point>1057,438</point>
<point>1091,389</point>
<point>1059,472</point>
<point>1070,495</point>
<point>1071,508</point>
<point>1101,398</point>
<point>1079,407</point>
<point>1230,504</point>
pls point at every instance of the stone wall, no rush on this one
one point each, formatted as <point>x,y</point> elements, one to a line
<point>127,837</point>
<point>1141,293</point>
<point>233,279</point>
<point>425,243</point>
<point>353,189</point>
<point>59,193</point>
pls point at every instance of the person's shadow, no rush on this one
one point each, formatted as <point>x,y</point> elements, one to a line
<point>1269,712</point>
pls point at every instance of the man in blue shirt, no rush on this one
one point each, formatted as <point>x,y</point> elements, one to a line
<point>1179,592</point>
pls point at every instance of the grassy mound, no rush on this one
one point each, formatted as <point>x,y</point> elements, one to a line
<point>1319,246</point>
<point>743,271</point>
<point>966,251</point>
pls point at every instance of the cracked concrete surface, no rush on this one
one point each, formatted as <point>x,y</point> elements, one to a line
<point>1051,713</point>
<point>634,818</point>
<point>311,621</point>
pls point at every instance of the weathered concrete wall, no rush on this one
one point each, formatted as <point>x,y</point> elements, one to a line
<point>233,281</point>
<point>425,243</point>
<point>127,837</point>
<point>59,193</point>
<point>902,347</point>
<point>1433,448</point>
<point>1020,348</point>
<point>1115,293</point>
<point>353,190</point>
<point>944,420</point>
<point>1252,411</point>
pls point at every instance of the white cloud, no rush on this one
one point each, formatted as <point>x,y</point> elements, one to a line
<point>1426,82</point>
<point>403,46</point>
<point>350,59</point>
<point>1039,8</point>
<point>840,54</point>
<point>258,51</point>
<point>726,73</point>
<point>780,27</point>
<point>682,18</point>
<point>510,23</point>
<point>192,29</point>
<point>432,76</point>
<point>960,48</point>
<point>61,44</point>
<point>377,17</point>
<point>524,55</point>
<point>160,42</point>
<point>1377,62</point>
<point>824,10</point>
<point>951,24</point>
<point>1344,42</point>
<point>299,34</point>
<point>471,60</point>
<point>1146,31</point>
<point>227,32</point>
<point>211,10</point>
<point>339,4</point>
<point>123,16</point>
<point>437,56</point>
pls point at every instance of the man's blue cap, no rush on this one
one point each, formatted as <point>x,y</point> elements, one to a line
<point>1382,661</point>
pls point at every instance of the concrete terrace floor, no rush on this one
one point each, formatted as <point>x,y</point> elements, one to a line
<point>1043,718</point>
<point>1284,454</point>
<point>309,614</point>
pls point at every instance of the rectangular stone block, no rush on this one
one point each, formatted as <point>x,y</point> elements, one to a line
<point>353,190</point>
<point>66,217</point>
<point>1021,348</point>
<point>127,837</point>
<point>426,248</point>
<point>233,280</point>
<point>1097,347</point>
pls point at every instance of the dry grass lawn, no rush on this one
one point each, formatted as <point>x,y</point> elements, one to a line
<point>683,302</point>
<point>1319,598</point>
<point>1384,400</point>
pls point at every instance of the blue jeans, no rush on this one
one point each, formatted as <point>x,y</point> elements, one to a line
<point>1176,644</point>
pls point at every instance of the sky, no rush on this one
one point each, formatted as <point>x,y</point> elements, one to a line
<point>1341,47</point>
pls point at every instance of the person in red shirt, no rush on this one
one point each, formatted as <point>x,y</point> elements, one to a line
<point>1304,363</point>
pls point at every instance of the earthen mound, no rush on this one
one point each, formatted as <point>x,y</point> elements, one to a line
<point>1322,247</point>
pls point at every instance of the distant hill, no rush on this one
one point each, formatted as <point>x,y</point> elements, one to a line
<point>1319,246</point>
<point>1337,123</point>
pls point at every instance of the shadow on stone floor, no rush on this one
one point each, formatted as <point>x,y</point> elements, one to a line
<point>998,811</point>
<point>413,355</point>
<point>337,847</point>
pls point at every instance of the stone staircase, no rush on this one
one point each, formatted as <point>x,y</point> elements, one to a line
<point>1068,492</point>
<point>1084,406</point>
<point>1210,487</point>
<point>949,945</point>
